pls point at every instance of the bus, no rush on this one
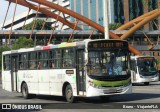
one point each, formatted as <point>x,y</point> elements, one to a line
<point>144,69</point>
<point>88,68</point>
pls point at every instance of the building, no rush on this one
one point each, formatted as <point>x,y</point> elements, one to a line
<point>120,11</point>
<point>92,9</point>
<point>20,18</point>
<point>127,10</point>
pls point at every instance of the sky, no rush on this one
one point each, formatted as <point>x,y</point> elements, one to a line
<point>3,9</point>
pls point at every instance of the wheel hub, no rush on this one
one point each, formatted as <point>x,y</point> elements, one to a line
<point>69,94</point>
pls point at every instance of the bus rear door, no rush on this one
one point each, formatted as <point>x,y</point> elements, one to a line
<point>14,70</point>
<point>80,72</point>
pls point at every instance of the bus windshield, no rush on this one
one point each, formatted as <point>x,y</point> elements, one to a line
<point>103,63</point>
<point>146,65</point>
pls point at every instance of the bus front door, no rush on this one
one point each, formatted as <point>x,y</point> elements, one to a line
<point>14,70</point>
<point>80,72</point>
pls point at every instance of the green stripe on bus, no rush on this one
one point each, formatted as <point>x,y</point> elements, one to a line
<point>111,83</point>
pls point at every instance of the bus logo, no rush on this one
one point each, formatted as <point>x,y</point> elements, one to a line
<point>6,106</point>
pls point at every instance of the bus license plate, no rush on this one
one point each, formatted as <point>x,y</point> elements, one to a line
<point>151,79</point>
<point>110,91</point>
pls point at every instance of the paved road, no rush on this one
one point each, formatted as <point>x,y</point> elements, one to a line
<point>141,94</point>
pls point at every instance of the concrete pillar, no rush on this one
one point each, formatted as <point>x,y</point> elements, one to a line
<point>82,13</point>
<point>97,12</point>
<point>145,10</point>
<point>126,11</point>
<point>89,9</point>
<point>111,11</point>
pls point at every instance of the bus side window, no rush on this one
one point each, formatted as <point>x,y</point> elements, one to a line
<point>133,66</point>
<point>20,65</point>
<point>39,65</point>
<point>51,59</point>
<point>51,64</point>
<point>32,57</point>
<point>32,65</point>
<point>6,63</point>
<point>68,58</point>
<point>57,58</point>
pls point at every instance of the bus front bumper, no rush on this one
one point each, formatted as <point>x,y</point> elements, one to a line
<point>92,91</point>
<point>142,79</point>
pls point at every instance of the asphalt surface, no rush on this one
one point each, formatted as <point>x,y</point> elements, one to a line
<point>141,96</point>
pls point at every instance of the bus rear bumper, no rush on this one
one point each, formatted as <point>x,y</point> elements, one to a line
<point>92,92</point>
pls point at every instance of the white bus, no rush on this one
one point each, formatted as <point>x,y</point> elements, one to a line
<point>86,68</point>
<point>144,69</point>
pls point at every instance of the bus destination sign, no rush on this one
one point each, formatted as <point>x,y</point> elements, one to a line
<point>106,44</point>
<point>146,58</point>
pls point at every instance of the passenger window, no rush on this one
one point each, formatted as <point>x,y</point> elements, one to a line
<point>33,60</point>
<point>51,59</point>
<point>68,58</point>
<point>6,62</point>
<point>23,61</point>
<point>43,60</point>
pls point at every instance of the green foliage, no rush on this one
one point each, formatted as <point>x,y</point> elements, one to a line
<point>38,25</point>
<point>144,2</point>
<point>114,26</point>
<point>158,64</point>
<point>22,42</point>
<point>64,40</point>
<point>158,61</point>
<point>2,49</point>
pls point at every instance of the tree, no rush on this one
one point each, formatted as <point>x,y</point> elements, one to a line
<point>23,42</point>
<point>158,63</point>
<point>114,26</point>
<point>38,25</point>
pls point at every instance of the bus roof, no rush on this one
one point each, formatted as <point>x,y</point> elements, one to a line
<point>52,46</point>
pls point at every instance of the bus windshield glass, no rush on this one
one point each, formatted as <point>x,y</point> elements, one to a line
<point>106,62</point>
<point>147,65</point>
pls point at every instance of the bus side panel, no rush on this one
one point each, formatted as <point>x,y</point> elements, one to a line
<point>19,80</point>
<point>71,78</point>
<point>22,77</point>
<point>43,81</point>
<point>33,81</point>
<point>31,78</point>
<point>59,77</point>
<point>6,80</point>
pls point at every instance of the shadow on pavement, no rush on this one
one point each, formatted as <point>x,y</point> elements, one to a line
<point>96,100</point>
<point>151,84</point>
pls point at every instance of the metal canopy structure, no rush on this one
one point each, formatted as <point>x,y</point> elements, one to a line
<point>45,7</point>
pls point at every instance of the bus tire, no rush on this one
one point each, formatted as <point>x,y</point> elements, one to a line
<point>25,92</point>
<point>69,94</point>
<point>146,83</point>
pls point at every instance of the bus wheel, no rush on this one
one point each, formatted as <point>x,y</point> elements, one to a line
<point>146,83</point>
<point>69,94</point>
<point>25,93</point>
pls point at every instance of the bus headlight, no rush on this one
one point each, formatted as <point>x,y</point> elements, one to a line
<point>93,85</point>
<point>141,76</point>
